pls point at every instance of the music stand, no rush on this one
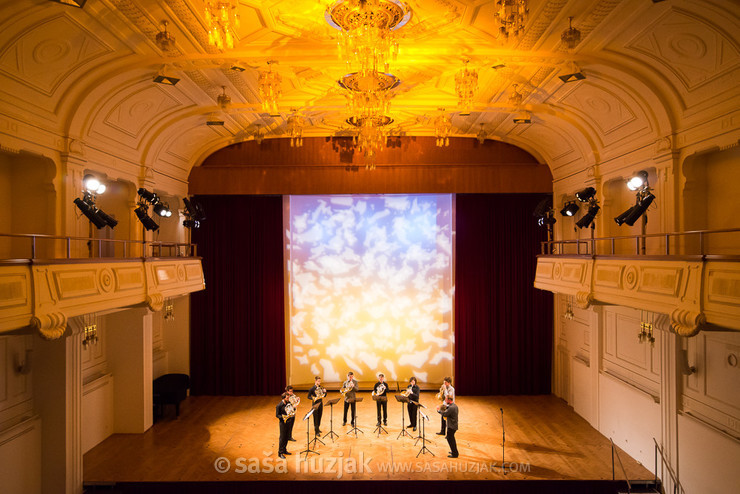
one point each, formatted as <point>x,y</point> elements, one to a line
<point>308,433</point>
<point>331,432</point>
<point>423,438</point>
<point>420,423</point>
<point>316,439</point>
<point>380,428</point>
<point>402,399</point>
<point>355,429</point>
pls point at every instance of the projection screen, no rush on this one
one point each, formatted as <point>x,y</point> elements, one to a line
<point>369,287</point>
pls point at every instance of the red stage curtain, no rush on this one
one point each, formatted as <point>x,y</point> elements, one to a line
<point>503,325</point>
<point>237,324</point>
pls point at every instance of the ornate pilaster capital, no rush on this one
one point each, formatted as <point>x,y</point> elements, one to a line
<point>155,301</point>
<point>584,299</point>
<point>51,325</point>
<point>686,322</point>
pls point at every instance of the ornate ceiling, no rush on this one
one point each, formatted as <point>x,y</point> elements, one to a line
<point>80,80</point>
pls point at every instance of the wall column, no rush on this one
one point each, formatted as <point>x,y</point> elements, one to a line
<point>58,396</point>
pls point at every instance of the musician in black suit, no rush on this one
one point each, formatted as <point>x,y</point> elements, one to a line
<point>291,420</point>
<point>449,413</point>
<point>313,393</point>
<point>381,389</point>
<point>413,396</point>
<point>284,432</point>
<point>349,397</point>
<point>447,390</point>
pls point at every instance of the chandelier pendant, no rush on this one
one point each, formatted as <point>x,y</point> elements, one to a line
<point>511,16</point>
<point>269,88</point>
<point>466,85</point>
<point>222,21</point>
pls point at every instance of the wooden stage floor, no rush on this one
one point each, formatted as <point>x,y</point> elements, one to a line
<point>545,440</point>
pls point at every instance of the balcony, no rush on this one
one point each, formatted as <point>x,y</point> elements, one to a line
<point>692,277</point>
<point>46,292</point>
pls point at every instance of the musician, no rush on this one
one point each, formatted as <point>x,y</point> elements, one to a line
<point>291,420</point>
<point>284,432</point>
<point>450,414</point>
<point>315,391</point>
<point>446,390</point>
<point>381,403</point>
<point>413,396</point>
<point>349,397</point>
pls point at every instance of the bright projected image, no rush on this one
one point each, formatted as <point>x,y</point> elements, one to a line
<point>370,287</point>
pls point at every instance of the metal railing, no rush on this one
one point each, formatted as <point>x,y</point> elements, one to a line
<point>99,248</point>
<point>629,484</point>
<point>667,244</point>
<point>677,487</point>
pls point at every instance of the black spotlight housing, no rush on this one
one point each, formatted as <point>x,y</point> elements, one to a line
<point>589,217</point>
<point>194,212</point>
<point>142,214</point>
<point>570,208</point>
<point>586,194</point>
<point>109,220</point>
<point>148,196</point>
<point>639,209</point>
<point>90,212</point>
<point>622,217</point>
<point>162,209</point>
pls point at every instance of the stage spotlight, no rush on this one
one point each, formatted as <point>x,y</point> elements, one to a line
<point>194,212</point>
<point>142,213</point>
<point>162,209</point>
<point>544,212</point>
<point>570,208</point>
<point>638,181</point>
<point>90,212</point>
<point>588,218</point>
<point>93,185</point>
<point>148,196</point>
<point>620,219</point>
<point>111,221</point>
<point>639,209</point>
<point>586,194</point>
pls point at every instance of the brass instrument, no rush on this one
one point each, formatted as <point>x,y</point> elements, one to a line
<point>294,400</point>
<point>441,394</point>
<point>320,393</point>
<point>289,411</point>
<point>379,391</point>
<point>408,391</point>
<point>347,387</point>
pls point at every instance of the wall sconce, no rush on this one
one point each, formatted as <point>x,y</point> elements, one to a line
<point>89,330</point>
<point>169,310</point>
<point>22,365</point>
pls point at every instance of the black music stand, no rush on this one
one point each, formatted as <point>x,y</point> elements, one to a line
<point>420,423</point>
<point>402,399</point>
<point>380,428</point>
<point>355,429</point>
<point>316,439</point>
<point>331,432</point>
<point>308,433</point>
<point>423,438</point>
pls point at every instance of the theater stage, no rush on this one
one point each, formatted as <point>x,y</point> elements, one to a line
<point>545,439</point>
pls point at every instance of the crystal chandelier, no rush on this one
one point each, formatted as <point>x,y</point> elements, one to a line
<point>571,36</point>
<point>269,88</point>
<point>372,134</point>
<point>482,135</point>
<point>442,127</point>
<point>466,84</point>
<point>295,129</point>
<point>367,41</point>
<point>515,98</point>
<point>368,95</point>
<point>223,100</point>
<point>511,15</point>
<point>164,39</point>
<point>222,21</point>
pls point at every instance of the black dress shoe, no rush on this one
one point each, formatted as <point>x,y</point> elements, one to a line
<point>452,456</point>
<point>409,426</point>
<point>291,439</point>
<point>440,433</point>
<point>280,455</point>
<point>385,422</point>
<point>414,429</point>
<point>378,424</point>
<point>344,423</point>
<point>286,453</point>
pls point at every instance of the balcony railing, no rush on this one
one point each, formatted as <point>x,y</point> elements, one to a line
<point>691,243</point>
<point>58,247</point>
